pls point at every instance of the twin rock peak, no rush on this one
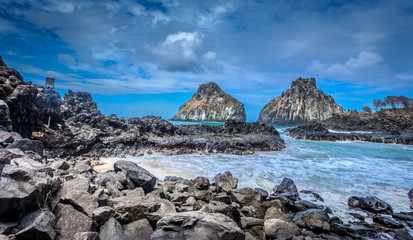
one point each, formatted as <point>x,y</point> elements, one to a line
<point>300,104</point>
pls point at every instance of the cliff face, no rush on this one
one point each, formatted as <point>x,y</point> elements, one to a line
<point>30,106</point>
<point>302,103</point>
<point>211,103</point>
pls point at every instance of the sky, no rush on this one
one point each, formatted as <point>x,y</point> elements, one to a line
<point>148,57</point>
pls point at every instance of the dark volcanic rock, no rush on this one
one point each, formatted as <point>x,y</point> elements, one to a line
<point>112,230</point>
<point>370,204</point>
<point>288,189</point>
<point>387,222</point>
<point>138,175</point>
<point>385,126</point>
<point>302,103</point>
<point>69,222</point>
<point>197,225</point>
<point>37,225</point>
<point>225,182</point>
<point>210,103</point>
<point>5,120</point>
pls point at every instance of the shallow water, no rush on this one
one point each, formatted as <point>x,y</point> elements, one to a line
<point>335,170</point>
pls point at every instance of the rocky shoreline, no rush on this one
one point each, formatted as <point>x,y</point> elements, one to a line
<point>67,199</point>
<point>385,126</point>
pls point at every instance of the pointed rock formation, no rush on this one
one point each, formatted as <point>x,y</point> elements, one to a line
<point>302,103</point>
<point>210,103</point>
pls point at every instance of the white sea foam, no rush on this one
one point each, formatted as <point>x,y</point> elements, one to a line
<point>336,171</point>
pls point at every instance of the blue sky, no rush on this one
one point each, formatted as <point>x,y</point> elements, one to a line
<point>147,57</point>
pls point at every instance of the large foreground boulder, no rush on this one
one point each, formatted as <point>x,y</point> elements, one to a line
<point>197,225</point>
<point>37,225</point>
<point>69,222</point>
<point>138,175</point>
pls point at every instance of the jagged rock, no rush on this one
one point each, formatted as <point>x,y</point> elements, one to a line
<point>220,207</point>
<point>60,164</point>
<point>201,183</point>
<point>247,197</point>
<point>75,192</point>
<point>264,193</point>
<point>197,225</point>
<point>288,189</point>
<point>5,121</point>
<point>263,207</point>
<point>112,230</point>
<point>211,103</point>
<point>225,182</point>
<point>313,219</point>
<point>410,194</point>
<point>277,225</point>
<point>18,173</point>
<point>37,225</point>
<point>139,207</point>
<point>370,204</point>
<point>302,103</point>
<point>387,222</point>
<point>69,222</point>
<point>28,145</point>
<point>102,214</point>
<point>385,126</point>
<point>5,227</point>
<point>138,175</point>
<point>86,236</point>
<point>249,222</point>
<point>17,198</point>
<point>140,229</point>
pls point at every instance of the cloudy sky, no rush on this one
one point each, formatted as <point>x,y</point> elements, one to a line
<point>147,57</point>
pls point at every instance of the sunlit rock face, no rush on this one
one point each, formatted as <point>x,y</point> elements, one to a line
<point>211,103</point>
<point>302,103</point>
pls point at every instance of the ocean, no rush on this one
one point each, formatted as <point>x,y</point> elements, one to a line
<point>335,170</point>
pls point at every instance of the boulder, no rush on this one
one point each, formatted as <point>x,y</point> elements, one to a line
<point>18,198</point>
<point>201,183</point>
<point>370,204</point>
<point>140,229</point>
<point>69,222</point>
<point>264,194</point>
<point>261,210</point>
<point>86,236</point>
<point>5,227</point>
<point>112,230</point>
<point>28,145</point>
<point>387,222</point>
<point>197,225</point>
<point>18,173</point>
<point>75,192</point>
<point>247,197</point>
<point>278,226</point>
<point>5,121</point>
<point>288,189</point>
<point>225,182</point>
<point>37,225</point>
<point>102,214</point>
<point>220,207</point>
<point>249,222</point>
<point>313,219</point>
<point>139,207</point>
<point>138,175</point>
<point>60,164</point>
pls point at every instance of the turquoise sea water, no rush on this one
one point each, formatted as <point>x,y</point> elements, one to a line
<point>335,170</point>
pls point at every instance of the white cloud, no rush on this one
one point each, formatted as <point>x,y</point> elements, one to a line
<point>213,17</point>
<point>179,51</point>
<point>66,59</point>
<point>363,61</point>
